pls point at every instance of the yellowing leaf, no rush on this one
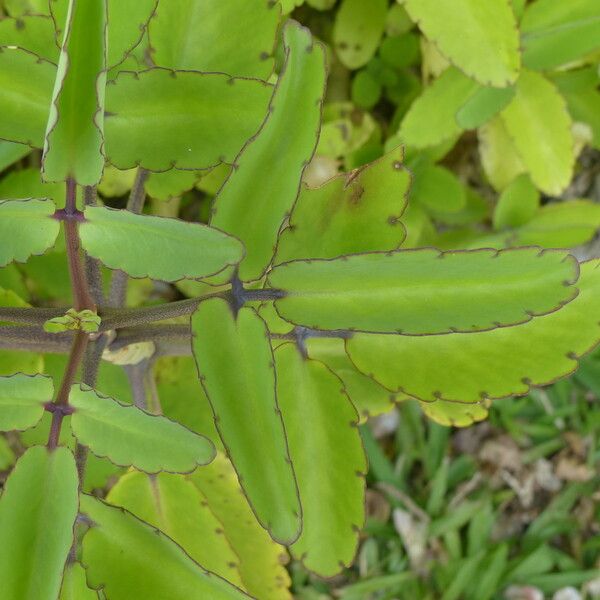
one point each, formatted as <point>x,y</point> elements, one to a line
<point>480,38</point>
<point>540,127</point>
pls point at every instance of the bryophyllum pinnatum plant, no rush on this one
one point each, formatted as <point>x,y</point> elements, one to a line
<point>309,315</point>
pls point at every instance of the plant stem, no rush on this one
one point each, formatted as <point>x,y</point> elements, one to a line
<point>82,300</point>
<point>18,337</point>
<point>130,317</point>
<point>81,295</point>
<point>28,315</point>
<point>92,265</point>
<point>62,397</point>
<point>135,204</point>
<point>150,333</point>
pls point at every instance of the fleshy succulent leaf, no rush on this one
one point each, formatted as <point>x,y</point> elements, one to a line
<point>74,141</point>
<point>26,84</point>
<point>26,228</point>
<point>267,175</point>
<point>157,247</point>
<point>190,35</point>
<point>332,488</point>
<point>357,30</point>
<point>469,367</point>
<point>121,554</point>
<point>262,560</point>
<point>538,112</point>
<point>41,493</point>
<point>22,399</point>
<point>128,22</point>
<point>197,120</point>
<point>329,221</point>
<point>416,292</point>
<point>127,435</point>
<point>176,507</point>
<point>235,363</point>
<point>489,53</point>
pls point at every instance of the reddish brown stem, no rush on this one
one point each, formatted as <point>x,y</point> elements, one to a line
<point>62,397</point>
<point>82,300</point>
<point>81,296</point>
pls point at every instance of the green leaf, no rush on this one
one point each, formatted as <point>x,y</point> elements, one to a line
<point>26,228</point>
<point>554,33</point>
<point>10,153</point>
<point>74,585</point>
<point>26,84</point>
<point>287,6</point>
<point>212,36</point>
<point>176,507</point>
<point>37,515</point>
<point>357,30</point>
<point>483,105</point>
<point>469,367</point>
<point>85,320</point>
<point>561,225</point>
<point>357,211</point>
<point>127,435</point>
<point>499,157</point>
<point>182,396</point>
<point>438,190</point>
<point>426,291</point>
<point>22,400</point>
<point>170,184</point>
<point>517,204</point>
<point>197,120</point>
<point>74,137</point>
<point>130,559</point>
<point>480,38</point>
<point>34,33</point>
<point>27,183</point>
<point>431,117</point>
<point>268,171</point>
<point>128,22</point>
<point>156,247</point>
<point>584,106</point>
<point>366,90</point>
<point>235,364</point>
<point>18,8</point>
<point>344,130</point>
<point>540,127</point>
<point>455,414</point>
<point>332,488</point>
<point>369,398</point>
<point>261,560</point>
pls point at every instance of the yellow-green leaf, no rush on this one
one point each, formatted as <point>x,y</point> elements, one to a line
<point>471,367</point>
<point>332,486</point>
<point>37,514</point>
<point>177,508</point>
<point>22,400</point>
<point>129,559</point>
<point>156,247</point>
<point>74,135</point>
<point>127,435</point>
<point>235,363</point>
<point>212,36</point>
<point>358,29</point>
<point>332,220</point>
<point>262,560</point>
<point>540,127</point>
<point>425,291</point>
<point>480,38</point>
<point>26,228</point>
<point>268,171</point>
